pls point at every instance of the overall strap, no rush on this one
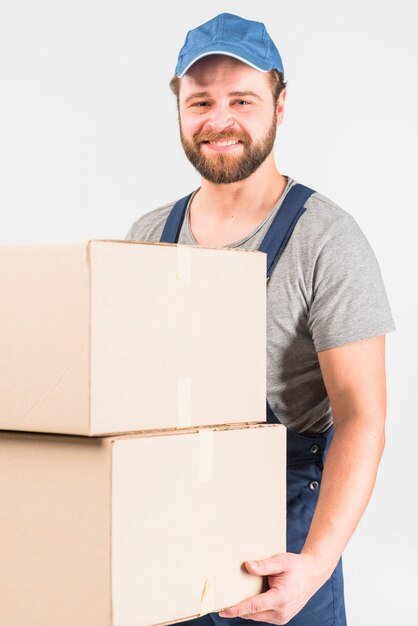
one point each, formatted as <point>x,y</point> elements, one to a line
<point>274,242</point>
<point>175,220</point>
<point>285,220</point>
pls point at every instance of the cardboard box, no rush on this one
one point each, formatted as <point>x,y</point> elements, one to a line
<point>105,337</point>
<point>136,530</point>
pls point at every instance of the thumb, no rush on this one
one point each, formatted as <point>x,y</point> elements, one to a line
<point>266,567</point>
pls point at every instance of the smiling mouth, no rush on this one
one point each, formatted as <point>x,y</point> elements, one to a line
<point>225,142</point>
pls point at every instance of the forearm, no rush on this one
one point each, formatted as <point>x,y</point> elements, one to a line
<point>347,483</point>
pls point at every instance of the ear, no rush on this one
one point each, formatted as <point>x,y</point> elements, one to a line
<point>280,106</point>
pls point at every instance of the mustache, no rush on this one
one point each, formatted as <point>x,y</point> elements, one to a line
<point>214,136</point>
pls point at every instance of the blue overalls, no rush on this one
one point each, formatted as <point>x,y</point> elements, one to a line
<point>305,452</point>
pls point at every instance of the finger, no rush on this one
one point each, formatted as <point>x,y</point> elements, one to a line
<point>255,604</point>
<point>267,567</point>
<point>264,616</point>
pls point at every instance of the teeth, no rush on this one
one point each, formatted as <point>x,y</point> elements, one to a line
<point>224,143</point>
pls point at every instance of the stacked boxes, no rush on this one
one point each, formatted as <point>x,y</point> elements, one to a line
<point>136,474</point>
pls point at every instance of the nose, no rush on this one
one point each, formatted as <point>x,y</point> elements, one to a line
<point>220,119</point>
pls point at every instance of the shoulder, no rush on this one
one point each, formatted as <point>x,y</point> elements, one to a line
<point>149,226</point>
<point>328,244</point>
<point>326,214</point>
<point>343,283</point>
<point>326,223</point>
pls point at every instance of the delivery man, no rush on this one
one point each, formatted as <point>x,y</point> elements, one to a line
<point>327,310</point>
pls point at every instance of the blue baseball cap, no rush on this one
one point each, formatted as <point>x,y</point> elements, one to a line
<point>229,34</point>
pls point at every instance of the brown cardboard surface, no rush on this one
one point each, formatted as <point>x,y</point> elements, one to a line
<point>44,337</point>
<point>54,530</point>
<point>101,337</point>
<point>128,530</point>
<point>192,331</point>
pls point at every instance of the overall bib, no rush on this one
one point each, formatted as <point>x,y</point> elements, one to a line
<point>305,452</point>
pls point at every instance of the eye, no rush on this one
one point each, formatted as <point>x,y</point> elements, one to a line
<point>243,101</point>
<point>197,104</point>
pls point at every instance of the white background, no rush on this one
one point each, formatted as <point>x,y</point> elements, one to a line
<point>89,141</point>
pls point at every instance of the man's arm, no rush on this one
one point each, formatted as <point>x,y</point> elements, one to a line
<point>355,379</point>
<point>354,376</point>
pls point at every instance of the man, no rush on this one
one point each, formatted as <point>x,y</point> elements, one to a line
<point>327,311</point>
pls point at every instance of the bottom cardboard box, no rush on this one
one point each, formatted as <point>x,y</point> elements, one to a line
<point>137,529</point>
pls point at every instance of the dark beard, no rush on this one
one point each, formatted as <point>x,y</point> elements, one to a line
<point>222,168</point>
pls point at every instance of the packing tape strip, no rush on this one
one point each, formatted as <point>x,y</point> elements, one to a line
<point>184,263</point>
<point>205,455</point>
<point>207,602</point>
<point>184,403</point>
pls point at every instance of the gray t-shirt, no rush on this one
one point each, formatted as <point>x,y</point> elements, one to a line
<point>326,290</point>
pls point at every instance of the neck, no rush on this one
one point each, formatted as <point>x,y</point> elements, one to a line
<point>251,197</point>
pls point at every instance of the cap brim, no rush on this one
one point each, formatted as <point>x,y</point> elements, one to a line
<point>260,65</point>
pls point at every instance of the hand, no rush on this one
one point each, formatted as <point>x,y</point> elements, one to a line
<point>293,579</point>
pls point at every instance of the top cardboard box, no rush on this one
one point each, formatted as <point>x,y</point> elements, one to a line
<point>103,337</point>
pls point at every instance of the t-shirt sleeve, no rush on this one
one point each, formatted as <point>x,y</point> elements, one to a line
<point>130,234</point>
<point>149,226</point>
<point>349,301</point>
